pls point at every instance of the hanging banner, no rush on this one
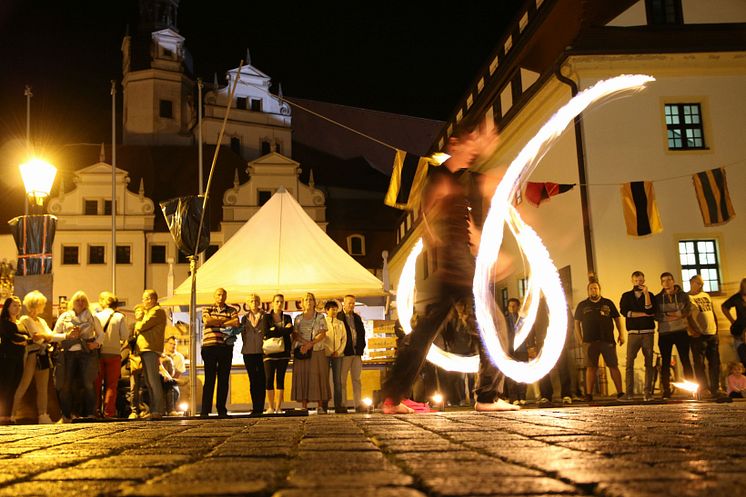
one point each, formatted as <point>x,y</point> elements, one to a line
<point>34,236</point>
<point>640,212</point>
<point>182,218</point>
<point>712,194</point>
<point>407,179</point>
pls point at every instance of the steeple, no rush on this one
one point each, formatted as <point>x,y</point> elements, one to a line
<point>248,57</point>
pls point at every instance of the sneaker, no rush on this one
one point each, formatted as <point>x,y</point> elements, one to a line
<point>544,401</point>
<point>389,407</point>
<point>174,413</point>
<point>647,397</point>
<point>133,415</point>
<point>567,400</point>
<point>498,405</point>
<point>44,419</point>
<point>320,410</point>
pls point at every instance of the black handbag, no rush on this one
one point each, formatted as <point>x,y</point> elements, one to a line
<point>298,355</point>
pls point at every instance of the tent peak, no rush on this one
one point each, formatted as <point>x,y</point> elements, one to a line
<point>281,189</point>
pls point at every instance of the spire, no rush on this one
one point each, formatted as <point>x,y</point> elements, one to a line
<point>279,90</point>
<point>248,61</point>
<point>141,190</point>
<point>236,182</point>
<point>102,153</point>
<point>215,83</point>
<point>311,182</point>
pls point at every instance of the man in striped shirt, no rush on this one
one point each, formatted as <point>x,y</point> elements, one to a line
<point>217,353</point>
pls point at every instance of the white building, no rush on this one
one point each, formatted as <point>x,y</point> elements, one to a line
<point>696,52</point>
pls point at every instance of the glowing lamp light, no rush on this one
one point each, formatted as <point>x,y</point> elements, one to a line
<point>688,386</point>
<point>38,176</point>
<point>367,402</point>
<point>438,398</point>
<point>184,407</point>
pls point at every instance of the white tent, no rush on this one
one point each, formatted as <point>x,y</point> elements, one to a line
<point>279,250</point>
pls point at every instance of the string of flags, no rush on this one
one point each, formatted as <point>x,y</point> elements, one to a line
<point>641,214</point>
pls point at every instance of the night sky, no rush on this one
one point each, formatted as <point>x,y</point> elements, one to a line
<point>414,58</point>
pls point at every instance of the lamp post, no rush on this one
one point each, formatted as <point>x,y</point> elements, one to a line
<point>34,234</point>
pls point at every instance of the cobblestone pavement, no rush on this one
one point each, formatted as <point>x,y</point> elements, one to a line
<point>656,450</point>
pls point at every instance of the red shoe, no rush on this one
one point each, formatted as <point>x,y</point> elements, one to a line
<point>417,407</point>
<point>389,407</point>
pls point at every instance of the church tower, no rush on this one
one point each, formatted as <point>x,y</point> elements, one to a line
<point>158,89</point>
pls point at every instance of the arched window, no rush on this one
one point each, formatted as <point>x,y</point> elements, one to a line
<point>356,245</point>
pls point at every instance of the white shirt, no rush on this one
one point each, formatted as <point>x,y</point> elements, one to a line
<point>115,334</point>
<point>336,337</point>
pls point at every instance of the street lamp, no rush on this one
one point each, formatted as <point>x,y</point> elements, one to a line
<point>38,177</point>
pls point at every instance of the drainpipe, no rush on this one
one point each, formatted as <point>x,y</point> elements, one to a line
<point>580,152</point>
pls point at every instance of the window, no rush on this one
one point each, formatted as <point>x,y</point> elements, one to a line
<point>266,148</point>
<point>241,103</point>
<point>522,287</point>
<point>182,258</point>
<point>256,105</point>
<point>124,254</point>
<point>700,257</point>
<point>211,251</point>
<point>70,254</point>
<point>90,207</point>
<point>157,254</point>
<point>664,12</point>
<point>236,144</point>
<point>356,245</point>
<point>107,207</point>
<point>263,196</point>
<point>96,254</point>
<point>504,299</point>
<point>167,109</point>
<point>684,126</point>
<point>278,147</point>
<point>168,54</point>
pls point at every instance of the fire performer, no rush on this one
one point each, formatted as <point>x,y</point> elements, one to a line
<point>451,209</point>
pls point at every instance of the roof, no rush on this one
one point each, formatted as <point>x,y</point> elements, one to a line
<point>279,250</point>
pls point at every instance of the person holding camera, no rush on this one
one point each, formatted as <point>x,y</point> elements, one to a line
<point>638,308</point>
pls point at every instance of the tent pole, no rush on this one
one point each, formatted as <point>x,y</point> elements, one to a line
<point>193,338</point>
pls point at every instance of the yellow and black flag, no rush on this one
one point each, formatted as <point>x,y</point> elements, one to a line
<point>640,212</point>
<point>713,198</point>
<point>407,180</point>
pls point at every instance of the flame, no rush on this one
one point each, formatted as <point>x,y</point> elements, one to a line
<point>687,385</point>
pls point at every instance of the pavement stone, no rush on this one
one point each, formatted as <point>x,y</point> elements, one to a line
<point>681,449</point>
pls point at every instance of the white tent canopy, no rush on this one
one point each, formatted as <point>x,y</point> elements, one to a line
<point>279,250</point>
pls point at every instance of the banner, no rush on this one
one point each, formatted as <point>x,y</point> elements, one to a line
<point>182,218</point>
<point>407,179</point>
<point>712,195</point>
<point>536,193</point>
<point>640,212</point>
<point>33,236</point>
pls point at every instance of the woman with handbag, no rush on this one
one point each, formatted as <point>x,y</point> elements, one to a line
<point>253,326</point>
<point>37,363</point>
<point>310,365</point>
<point>278,329</point>
<point>12,353</point>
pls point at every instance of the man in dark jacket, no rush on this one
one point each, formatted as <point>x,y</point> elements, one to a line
<point>638,308</point>
<point>672,307</point>
<point>352,362</point>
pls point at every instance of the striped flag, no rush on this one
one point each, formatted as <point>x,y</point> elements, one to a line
<point>536,193</point>
<point>407,180</point>
<point>713,197</point>
<point>640,212</point>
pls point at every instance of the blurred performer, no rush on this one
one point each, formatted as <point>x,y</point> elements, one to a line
<point>451,214</point>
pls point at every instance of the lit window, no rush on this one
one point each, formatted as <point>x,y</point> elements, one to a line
<point>684,126</point>
<point>70,254</point>
<point>522,287</point>
<point>700,257</point>
<point>356,245</point>
<point>96,254</point>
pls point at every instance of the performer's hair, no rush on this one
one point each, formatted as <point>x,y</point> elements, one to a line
<point>513,299</point>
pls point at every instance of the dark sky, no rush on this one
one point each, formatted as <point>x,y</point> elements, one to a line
<point>413,58</point>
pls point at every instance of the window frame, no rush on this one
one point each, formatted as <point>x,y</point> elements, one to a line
<point>259,192</point>
<point>127,246</point>
<point>162,108</point>
<point>356,236</point>
<point>77,254</point>
<point>103,255</point>
<point>165,253</point>
<point>688,270</point>
<point>90,202</point>
<point>682,127</point>
<point>659,17</point>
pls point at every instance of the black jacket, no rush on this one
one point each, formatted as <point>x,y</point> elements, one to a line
<point>630,302</point>
<point>359,334</point>
<point>271,330</point>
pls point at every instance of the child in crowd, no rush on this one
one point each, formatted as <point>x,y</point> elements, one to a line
<point>736,381</point>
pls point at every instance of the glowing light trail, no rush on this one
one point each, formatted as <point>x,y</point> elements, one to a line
<point>544,277</point>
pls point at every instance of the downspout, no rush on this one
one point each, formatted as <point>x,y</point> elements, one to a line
<point>580,152</point>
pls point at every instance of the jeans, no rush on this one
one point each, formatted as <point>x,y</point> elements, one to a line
<point>79,367</point>
<point>336,368</point>
<point>352,365</point>
<point>11,371</point>
<point>257,381</point>
<point>666,342</point>
<point>135,393</point>
<point>171,393</point>
<point>152,377</point>
<point>635,342</point>
<point>706,347</point>
<point>217,361</point>
<point>109,369</point>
